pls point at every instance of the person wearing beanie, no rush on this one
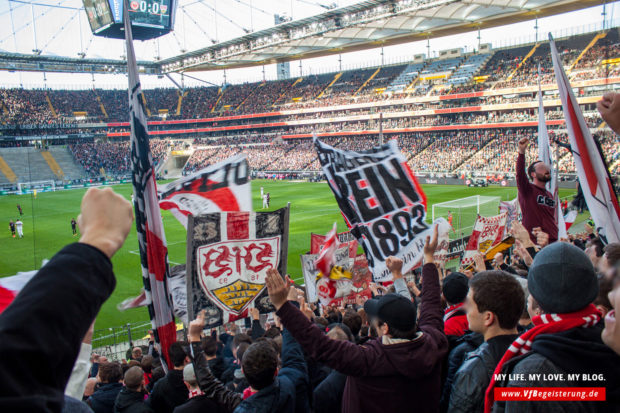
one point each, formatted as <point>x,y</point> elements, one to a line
<point>454,290</point>
<point>565,339</point>
<point>494,305</point>
<point>131,397</point>
<point>198,402</point>
<point>400,371</point>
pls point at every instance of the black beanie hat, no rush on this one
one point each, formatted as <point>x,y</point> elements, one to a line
<point>455,287</point>
<point>562,279</point>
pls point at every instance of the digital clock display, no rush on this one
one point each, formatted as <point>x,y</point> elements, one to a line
<point>150,13</point>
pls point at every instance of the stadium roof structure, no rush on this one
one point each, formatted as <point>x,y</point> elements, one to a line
<point>362,25</point>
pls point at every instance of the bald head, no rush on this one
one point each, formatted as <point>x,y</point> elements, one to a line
<point>134,377</point>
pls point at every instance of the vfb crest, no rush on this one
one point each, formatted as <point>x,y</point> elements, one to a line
<point>232,273</point>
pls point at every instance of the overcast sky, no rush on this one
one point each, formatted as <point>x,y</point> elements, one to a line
<point>65,32</point>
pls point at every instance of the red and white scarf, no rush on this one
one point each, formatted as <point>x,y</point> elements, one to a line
<point>543,324</point>
<point>450,311</point>
<point>195,393</point>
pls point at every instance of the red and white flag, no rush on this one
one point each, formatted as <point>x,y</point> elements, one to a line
<point>325,261</point>
<point>217,188</point>
<point>488,232</point>
<point>149,226</point>
<point>593,175</point>
<point>569,219</point>
<point>11,286</point>
<point>545,155</point>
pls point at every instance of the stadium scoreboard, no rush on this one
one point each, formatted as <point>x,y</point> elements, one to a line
<point>149,18</point>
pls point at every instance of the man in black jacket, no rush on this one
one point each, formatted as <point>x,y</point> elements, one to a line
<point>61,301</point>
<point>198,402</point>
<point>131,397</point>
<point>170,391</point>
<point>110,376</point>
<point>494,305</point>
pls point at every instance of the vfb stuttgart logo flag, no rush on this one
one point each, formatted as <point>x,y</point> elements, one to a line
<point>229,254</point>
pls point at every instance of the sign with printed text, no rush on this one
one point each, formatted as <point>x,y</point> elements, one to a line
<point>488,232</point>
<point>381,202</point>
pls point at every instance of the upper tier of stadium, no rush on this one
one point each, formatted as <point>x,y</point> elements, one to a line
<point>457,114</point>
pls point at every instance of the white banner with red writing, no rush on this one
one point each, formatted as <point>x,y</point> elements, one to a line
<point>228,256</point>
<point>488,232</point>
<point>221,187</point>
<point>381,202</point>
<point>344,238</point>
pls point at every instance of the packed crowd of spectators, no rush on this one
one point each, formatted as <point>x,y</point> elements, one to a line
<point>114,158</point>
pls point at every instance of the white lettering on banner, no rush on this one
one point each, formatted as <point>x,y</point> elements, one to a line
<point>232,273</point>
<point>381,203</point>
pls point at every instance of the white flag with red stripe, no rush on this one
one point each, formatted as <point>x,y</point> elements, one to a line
<point>593,175</point>
<point>545,155</point>
<point>569,219</point>
<point>325,260</point>
<point>11,286</point>
<point>149,226</point>
<point>217,188</point>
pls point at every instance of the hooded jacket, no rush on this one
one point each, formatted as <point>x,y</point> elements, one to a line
<point>129,401</point>
<point>474,375</point>
<point>383,378</point>
<point>465,344</point>
<point>169,392</point>
<point>102,401</point>
<point>61,300</point>
<point>287,394</point>
<point>576,351</point>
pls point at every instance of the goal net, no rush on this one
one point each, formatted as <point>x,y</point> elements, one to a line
<point>39,186</point>
<point>464,212</point>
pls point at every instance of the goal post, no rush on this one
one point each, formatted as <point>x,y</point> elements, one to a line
<point>40,186</point>
<point>464,212</point>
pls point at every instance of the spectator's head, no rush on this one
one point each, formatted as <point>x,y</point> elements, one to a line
<point>189,377</point>
<point>394,315</point>
<point>561,279</point>
<point>611,333</point>
<point>539,171</point>
<point>178,356</point>
<point>494,304</point>
<point>352,320</point>
<point>110,372</point>
<point>272,332</point>
<point>594,250</point>
<point>134,379</point>
<point>209,346</point>
<point>340,332</point>
<point>455,288</point>
<point>232,329</point>
<point>601,301</point>
<point>260,365</point>
<point>240,350</point>
<point>136,353</point>
<point>147,364</point>
<point>611,256</point>
<point>158,373</point>
<point>240,338</point>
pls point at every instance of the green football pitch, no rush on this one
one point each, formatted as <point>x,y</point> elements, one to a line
<point>47,229</point>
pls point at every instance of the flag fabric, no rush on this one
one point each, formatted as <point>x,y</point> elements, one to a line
<point>488,232</point>
<point>134,302</point>
<point>593,174</point>
<point>381,201</point>
<point>569,218</point>
<point>337,290</point>
<point>11,286</point>
<point>512,210</point>
<point>325,260</point>
<point>221,187</point>
<point>545,155</point>
<point>228,256</point>
<point>149,226</point>
<point>344,238</point>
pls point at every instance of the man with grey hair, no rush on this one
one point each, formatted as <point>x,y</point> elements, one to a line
<point>197,402</point>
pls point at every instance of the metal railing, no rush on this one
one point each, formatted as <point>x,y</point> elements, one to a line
<point>114,342</point>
